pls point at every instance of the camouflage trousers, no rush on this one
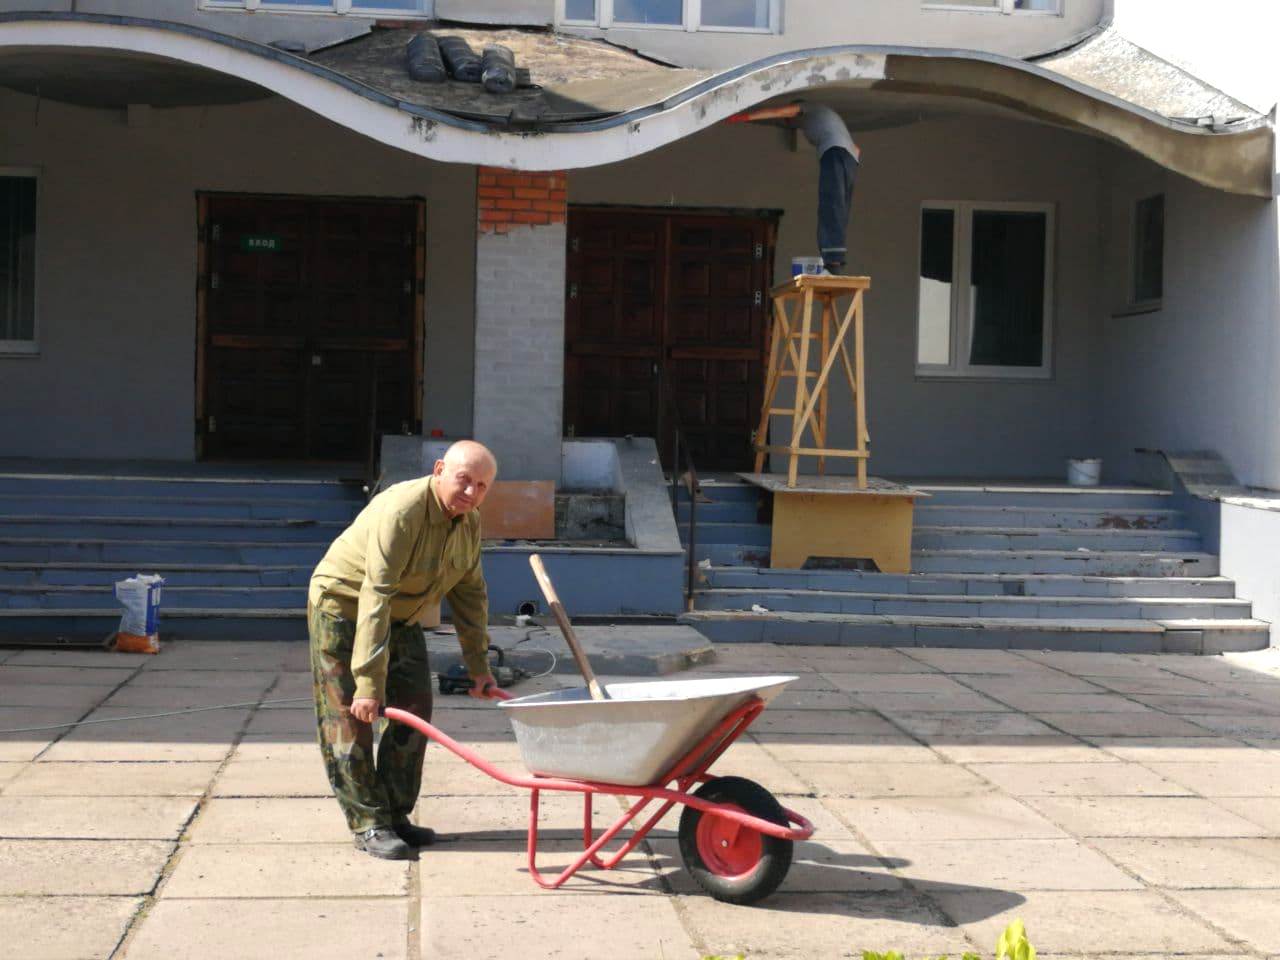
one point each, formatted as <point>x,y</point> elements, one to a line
<point>371,794</point>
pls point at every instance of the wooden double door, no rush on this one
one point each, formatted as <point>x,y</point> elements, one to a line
<point>309,322</point>
<point>670,296</point>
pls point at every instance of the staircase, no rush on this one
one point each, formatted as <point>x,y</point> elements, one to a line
<point>236,552</point>
<point>996,567</point>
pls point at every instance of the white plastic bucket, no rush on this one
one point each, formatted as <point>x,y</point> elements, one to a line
<point>805,265</point>
<point>1084,473</point>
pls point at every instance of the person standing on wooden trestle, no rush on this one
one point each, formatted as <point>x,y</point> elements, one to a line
<point>378,584</point>
<point>838,160</point>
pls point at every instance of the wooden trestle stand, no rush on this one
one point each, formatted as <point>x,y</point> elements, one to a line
<point>825,519</point>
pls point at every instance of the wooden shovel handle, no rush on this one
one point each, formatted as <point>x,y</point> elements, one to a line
<point>562,618</point>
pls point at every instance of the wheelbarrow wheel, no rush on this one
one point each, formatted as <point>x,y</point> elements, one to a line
<point>734,863</point>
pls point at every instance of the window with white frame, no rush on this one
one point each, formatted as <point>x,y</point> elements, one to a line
<point>17,261</point>
<point>735,15</point>
<point>1053,7</point>
<point>985,290</point>
<point>364,8</point>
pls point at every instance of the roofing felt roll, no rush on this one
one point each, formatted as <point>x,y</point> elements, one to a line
<point>462,61</point>
<point>498,73</point>
<point>423,61</point>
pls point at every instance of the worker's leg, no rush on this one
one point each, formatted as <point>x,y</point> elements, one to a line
<point>837,170</point>
<point>346,743</point>
<point>401,750</point>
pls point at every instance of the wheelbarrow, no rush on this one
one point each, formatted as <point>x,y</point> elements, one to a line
<point>653,742</point>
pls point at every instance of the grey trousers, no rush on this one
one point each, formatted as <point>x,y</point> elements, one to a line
<point>837,170</point>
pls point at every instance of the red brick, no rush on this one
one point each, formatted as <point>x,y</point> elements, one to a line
<point>511,204</point>
<point>501,227</point>
<point>486,179</point>
<point>495,216</point>
<point>556,217</point>
<point>561,195</point>
<point>531,193</point>
<point>514,180</point>
<point>530,216</point>
<point>499,193</point>
<point>548,206</point>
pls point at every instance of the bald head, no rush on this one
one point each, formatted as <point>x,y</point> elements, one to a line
<point>463,476</point>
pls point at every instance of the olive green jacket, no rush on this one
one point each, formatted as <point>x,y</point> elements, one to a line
<point>395,562</point>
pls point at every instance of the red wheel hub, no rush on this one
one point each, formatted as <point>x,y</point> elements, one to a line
<point>727,848</point>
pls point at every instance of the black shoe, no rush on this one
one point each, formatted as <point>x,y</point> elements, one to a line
<point>414,835</point>
<point>383,843</point>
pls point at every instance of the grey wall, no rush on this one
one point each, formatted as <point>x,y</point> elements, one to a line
<point>1248,551</point>
<point>116,262</point>
<point>1200,373</point>
<point>918,427</point>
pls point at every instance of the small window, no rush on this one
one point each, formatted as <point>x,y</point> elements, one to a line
<point>744,16</point>
<point>984,290</point>
<point>17,263</point>
<point>740,14</point>
<point>649,12</point>
<point>1053,7</point>
<point>1148,250</point>
<point>580,11</point>
<point>363,8</point>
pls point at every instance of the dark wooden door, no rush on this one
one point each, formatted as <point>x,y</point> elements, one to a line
<point>675,295</point>
<point>309,312</point>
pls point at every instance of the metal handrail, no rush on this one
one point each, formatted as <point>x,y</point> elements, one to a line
<point>679,440</point>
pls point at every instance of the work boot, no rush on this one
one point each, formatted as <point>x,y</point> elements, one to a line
<point>414,835</point>
<point>382,842</point>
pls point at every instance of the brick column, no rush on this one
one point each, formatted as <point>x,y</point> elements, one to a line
<point>520,285</point>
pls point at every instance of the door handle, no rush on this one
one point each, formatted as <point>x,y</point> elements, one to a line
<point>317,360</point>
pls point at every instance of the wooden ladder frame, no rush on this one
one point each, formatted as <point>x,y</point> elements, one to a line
<point>793,320</point>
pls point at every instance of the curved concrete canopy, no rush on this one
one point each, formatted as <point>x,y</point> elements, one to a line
<point>1237,159</point>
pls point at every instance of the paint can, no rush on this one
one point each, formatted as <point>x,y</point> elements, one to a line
<point>1084,473</point>
<point>805,265</point>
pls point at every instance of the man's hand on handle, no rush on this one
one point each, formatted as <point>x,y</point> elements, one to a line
<point>365,709</point>
<point>482,687</point>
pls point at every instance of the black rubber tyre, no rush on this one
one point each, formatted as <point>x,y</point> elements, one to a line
<point>753,864</point>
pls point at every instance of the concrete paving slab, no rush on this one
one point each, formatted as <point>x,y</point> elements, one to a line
<point>58,868</point>
<point>552,925</point>
<point>9,770</point>
<point>1181,749</point>
<point>1132,724</point>
<point>1084,664</point>
<point>113,780</point>
<point>78,658</point>
<point>1078,780</point>
<point>1264,811</point>
<point>796,699</point>
<point>887,683</point>
<point>450,777</point>
<point>1244,914</point>
<point>472,869</point>
<point>228,655</point>
<point>40,726</point>
<point>268,929</point>
<point>1222,705</point>
<point>205,678</point>
<point>128,818</point>
<point>928,726</point>
<point>199,736</point>
<point>831,661</point>
<point>269,820</point>
<point>1230,780</point>
<point>753,761</point>
<point>983,817</point>
<point>1070,702</point>
<point>1143,817</point>
<point>65,928</point>
<point>798,748</point>
<point>831,866</point>
<point>60,676</point>
<point>265,870</point>
<point>1157,682</point>
<point>891,780</point>
<point>801,926</point>
<point>1006,864</point>
<point>502,818</point>
<point>822,722</point>
<point>78,696</point>
<point>1254,728</point>
<point>1195,864</point>
<point>991,662</point>
<point>1032,682</point>
<point>291,726</point>
<point>962,701</point>
<point>1113,922</point>
<point>155,698</point>
<point>1019,749</point>
<point>269,769</point>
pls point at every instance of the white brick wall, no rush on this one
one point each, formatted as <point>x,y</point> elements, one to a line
<point>519,356</point>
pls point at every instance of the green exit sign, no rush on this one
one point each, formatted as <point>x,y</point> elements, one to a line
<point>260,243</point>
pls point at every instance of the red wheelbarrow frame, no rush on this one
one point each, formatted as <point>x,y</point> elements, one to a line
<point>688,771</point>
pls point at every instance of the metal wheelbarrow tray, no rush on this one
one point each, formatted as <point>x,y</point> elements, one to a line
<point>654,742</point>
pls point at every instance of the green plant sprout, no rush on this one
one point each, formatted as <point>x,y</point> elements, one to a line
<point>1012,945</point>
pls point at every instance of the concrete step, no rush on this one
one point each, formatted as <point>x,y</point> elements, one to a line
<point>962,605</point>
<point>175,623</point>
<point>209,597</point>
<point>999,633</point>
<point>1065,518</point>
<point>1046,497</point>
<point>205,529</point>
<point>18,574</point>
<point>743,534</point>
<point>730,491</point>
<point>151,552</point>
<point>978,584</point>
<point>1041,538</point>
<point>267,508</point>
<point>731,511</point>
<point>1114,563</point>
<point>240,488</point>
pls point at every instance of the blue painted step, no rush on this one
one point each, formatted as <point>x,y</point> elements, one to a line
<point>732,511</point>
<point>172,528</point>
<point>1032,538</point>
<point>174,624</point>
<point>192,575</point>
<point>1066,518</point>
<point>1099,498</point>
<point>267,508</point>
<point>225,598</point>
<point>746,534</point>
<point>181,487</point>
<point>1045,585</point>
<point>144,552</point>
